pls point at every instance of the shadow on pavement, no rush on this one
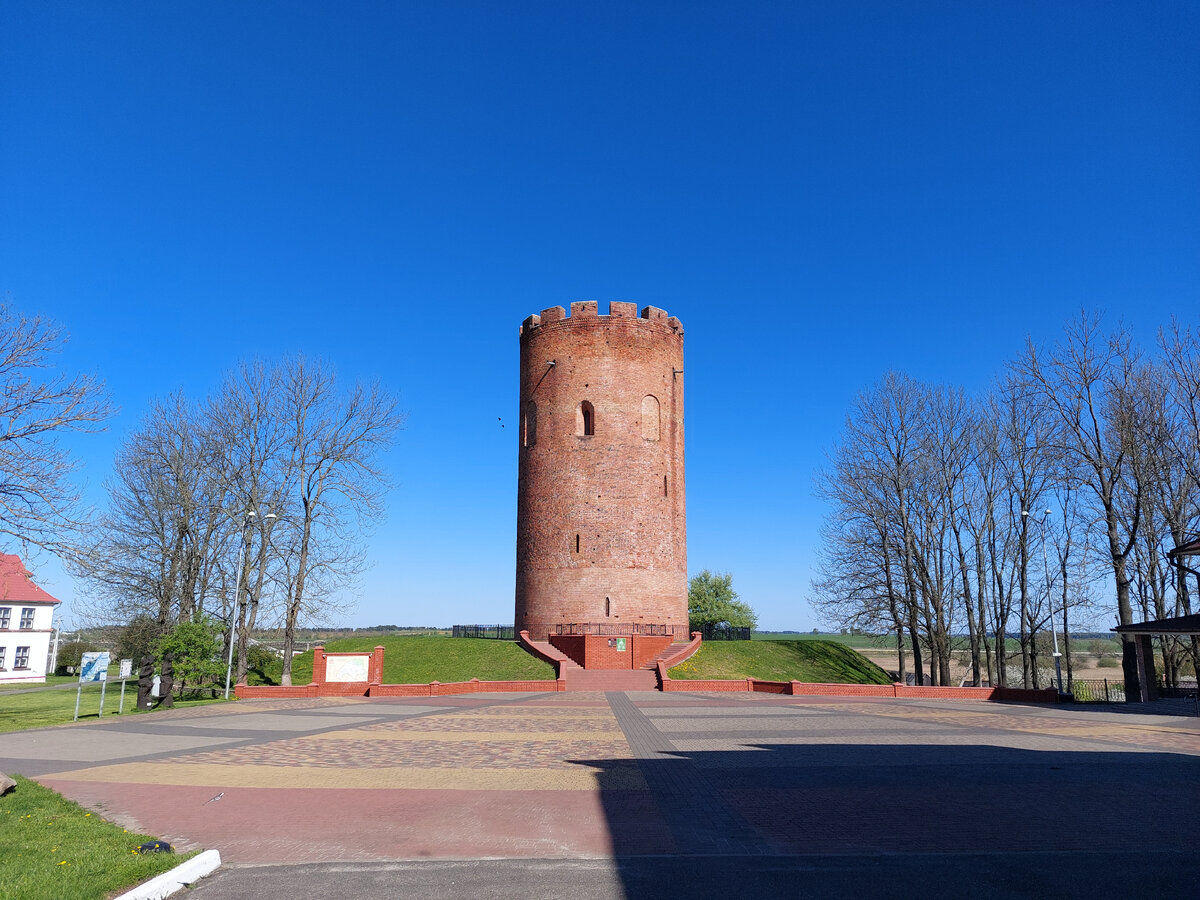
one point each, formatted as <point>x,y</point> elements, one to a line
<point>907,820</point>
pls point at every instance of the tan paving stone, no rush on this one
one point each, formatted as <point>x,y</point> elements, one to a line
<point>577,778</point>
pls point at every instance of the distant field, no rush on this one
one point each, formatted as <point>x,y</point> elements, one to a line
<point>808,660</point>
<point>888,641</point>
<point>422,659</point>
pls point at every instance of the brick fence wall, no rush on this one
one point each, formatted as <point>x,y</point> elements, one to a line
<point>798,689</point>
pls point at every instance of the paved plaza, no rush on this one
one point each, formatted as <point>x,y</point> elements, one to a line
<point>636,794</point>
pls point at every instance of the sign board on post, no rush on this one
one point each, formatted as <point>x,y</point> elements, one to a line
<point>126,672</point>
<point>93,667</point>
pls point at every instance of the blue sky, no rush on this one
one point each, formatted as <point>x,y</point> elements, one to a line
<point>820,191</point>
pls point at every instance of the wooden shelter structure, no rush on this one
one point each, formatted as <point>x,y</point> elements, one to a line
<point>1143,632</point>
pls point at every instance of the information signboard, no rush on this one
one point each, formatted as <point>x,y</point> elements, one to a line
<point>126,668</point>
<point>347,668</point>
<point>94,667</point>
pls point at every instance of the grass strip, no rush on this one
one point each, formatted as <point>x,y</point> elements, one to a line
<point>810,661</point>
<point>420,659</point>
<point>54,848</point>
<point>39,709</point>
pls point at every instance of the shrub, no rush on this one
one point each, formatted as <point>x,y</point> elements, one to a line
<point>195,648</point>
<point>71,655</point>
<point>260,660</point>
<point>1108,662</point>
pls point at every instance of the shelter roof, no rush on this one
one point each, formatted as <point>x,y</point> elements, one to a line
<point>1187,548</point>
<point>16,583</point>
<point>1174,625</point>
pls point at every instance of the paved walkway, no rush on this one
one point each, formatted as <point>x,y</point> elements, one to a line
<point>600,795</point>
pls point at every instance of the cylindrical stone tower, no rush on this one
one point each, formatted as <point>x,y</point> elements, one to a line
<point>601,536</point>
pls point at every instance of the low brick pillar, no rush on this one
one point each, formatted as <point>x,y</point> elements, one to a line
<point>318,664</point>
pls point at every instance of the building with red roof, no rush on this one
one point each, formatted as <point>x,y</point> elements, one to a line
<point>26,623</point>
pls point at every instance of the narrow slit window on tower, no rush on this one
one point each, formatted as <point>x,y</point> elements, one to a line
<point>576,543</point>
<point>607,607</point>
<point>585,419</point>
<point>664,485</point>
<point>529,426</point>
<point>650,426</point>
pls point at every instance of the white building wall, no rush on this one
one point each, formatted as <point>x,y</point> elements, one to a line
<point>36,638</point>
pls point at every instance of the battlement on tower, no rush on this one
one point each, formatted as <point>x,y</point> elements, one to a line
<point>588,310</point>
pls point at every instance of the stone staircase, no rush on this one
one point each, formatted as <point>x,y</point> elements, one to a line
<point>669,650</point>
<point>580,679</point>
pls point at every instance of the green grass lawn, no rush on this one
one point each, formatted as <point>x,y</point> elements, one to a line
<point>41,708</point>
<point>54,848</point>
<point>421,659</point>
<point>784,660</point>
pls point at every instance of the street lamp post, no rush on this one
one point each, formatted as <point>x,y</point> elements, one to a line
<point>1049,598</point>
<point>236,590</point>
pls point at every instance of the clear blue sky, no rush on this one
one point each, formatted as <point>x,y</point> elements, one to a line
<point>820,191</point>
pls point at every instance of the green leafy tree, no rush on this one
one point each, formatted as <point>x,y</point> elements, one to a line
<point>196,649</point>
<point>713,601</point>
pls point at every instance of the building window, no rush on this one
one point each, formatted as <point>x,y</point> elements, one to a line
<point>664,485</point>
<point>576,543</point>
<point>3,650</point>
<point>27,617</point>
<point>529,426</point>
<point>607,606</point>
<point>5,617</point>
<point>650,417</point>
<point>21,659</point>
<point>585,420</point>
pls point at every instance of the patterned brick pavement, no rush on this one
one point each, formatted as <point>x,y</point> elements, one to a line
<point>589,775</point>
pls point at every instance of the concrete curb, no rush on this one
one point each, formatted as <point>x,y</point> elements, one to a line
<point>183,875</point>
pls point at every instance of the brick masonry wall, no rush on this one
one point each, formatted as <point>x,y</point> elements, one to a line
<point>797,688</point>
<point>601,525</point>
<point>592,651</point>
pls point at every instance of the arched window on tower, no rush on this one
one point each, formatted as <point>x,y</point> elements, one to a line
<point>529,426</point>
<point>650,417</point>
<point>585,419</point>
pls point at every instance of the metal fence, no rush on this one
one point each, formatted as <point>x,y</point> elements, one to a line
<point>1183,689</point>
<point>1098,690</point>
<point>612,628</point>
<point>1104,690</point>
<point>493,632</point>
<point>724,633</point>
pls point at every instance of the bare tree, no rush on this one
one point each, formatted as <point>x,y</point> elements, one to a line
<point>39,504</point>
<point>250,434</point>
<point>158,547</point>
<point>281,441</point>
<point>335,481</point>
<point>1086,383</point>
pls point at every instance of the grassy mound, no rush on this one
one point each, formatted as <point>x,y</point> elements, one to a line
<point>809,660</point>
<point>422,659</point>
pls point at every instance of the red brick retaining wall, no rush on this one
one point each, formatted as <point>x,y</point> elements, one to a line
<point>798,688</point>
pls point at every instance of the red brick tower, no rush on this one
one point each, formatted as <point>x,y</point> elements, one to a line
<point>601,534</point>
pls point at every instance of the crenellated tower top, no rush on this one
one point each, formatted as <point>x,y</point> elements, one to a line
<point>587,312</point>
